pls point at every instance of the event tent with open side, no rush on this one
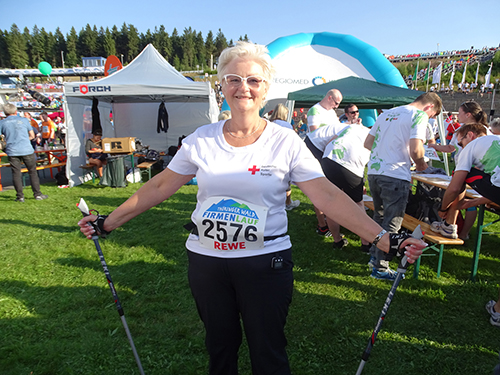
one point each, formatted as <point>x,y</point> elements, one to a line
<point>366,94</point>
<point>133,95</point>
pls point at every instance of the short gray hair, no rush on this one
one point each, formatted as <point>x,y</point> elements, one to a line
<point>9,109</point>
<point>256,52</point>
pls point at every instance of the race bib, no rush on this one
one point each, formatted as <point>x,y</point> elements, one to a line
<point>228,224</point>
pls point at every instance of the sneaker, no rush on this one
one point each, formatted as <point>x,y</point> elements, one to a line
<point>371,263</point>
<point>446,230</point>
<point>495,317</point>
<point>323,231</point>
<point>292,205</point>
<point>41,197</point>
<point>342,243</point>
<point>366,248</point>
<point>385,275</point>
<point>20,200</point>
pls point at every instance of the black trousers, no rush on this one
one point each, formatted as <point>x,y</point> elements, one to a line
<point>16,164</point>
<point>227,290</point>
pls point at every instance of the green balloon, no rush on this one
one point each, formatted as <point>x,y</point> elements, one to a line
<point>45,68</point>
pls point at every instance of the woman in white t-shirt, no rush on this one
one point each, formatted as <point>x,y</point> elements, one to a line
<point>240,264</point>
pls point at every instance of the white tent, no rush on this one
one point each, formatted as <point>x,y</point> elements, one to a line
<point>133,95</point>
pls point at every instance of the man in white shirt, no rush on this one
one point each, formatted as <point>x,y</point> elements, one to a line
<point>395,139</point>
<point>323,124</point>
<point>323,113</point>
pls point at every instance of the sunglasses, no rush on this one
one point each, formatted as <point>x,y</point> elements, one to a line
<point>353,112</point>
<point>235,80</point>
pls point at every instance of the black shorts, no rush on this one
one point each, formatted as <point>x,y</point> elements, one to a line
<point>481,182</point>
<point>318,154</point>
<point>98,155</point>
<point>344,179</point>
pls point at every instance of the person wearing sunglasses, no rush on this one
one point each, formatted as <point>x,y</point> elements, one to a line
<point>478,166</point>
<point>352,114</point>
<point>239,252</point>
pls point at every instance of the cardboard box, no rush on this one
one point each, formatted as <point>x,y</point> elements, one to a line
<point>118,145</point>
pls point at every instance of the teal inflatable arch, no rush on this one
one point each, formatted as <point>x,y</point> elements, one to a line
<point>380,69</point>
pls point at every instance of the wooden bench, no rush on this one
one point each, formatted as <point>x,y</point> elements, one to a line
<point>438,241</point>
<point>89,168</point>
<point>147,165</point>
<point>41,168</point>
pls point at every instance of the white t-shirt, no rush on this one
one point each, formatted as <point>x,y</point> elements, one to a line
<point>284,124</point>
<point>390,154</point>
<point>259,174</point>
<point>320,116</point>
<point>328,125</point>
<point>484,154</point>
<point>347,149</point>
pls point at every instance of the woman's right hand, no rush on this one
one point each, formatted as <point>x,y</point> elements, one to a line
<point>86,228</point>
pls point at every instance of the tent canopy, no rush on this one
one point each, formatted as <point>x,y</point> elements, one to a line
<point>149,77</point>
<point>364,93</point>
<point>133,95</point>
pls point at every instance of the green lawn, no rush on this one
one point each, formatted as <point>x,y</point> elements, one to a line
<point>57,315</point>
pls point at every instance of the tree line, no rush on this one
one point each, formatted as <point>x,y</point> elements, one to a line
<point>189,51</point>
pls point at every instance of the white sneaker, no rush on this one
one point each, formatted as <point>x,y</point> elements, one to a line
<point>446,230</point>
<point>292,205</point>
<point>495,317</point>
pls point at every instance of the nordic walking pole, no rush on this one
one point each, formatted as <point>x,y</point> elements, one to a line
<point>85,211</point>
<point>417,233</point>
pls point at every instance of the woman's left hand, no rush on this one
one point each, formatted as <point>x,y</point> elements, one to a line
<point>413,248</point>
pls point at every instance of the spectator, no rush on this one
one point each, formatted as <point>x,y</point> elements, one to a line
<point>323,125</point>
<point>224,115</point>
<point>477,166</point>
<point>48,129</point>
<point>395,139</point>
<point>279,116</point>
<point>18,133</point>
<point>344,164</point>
<point>93,149</point>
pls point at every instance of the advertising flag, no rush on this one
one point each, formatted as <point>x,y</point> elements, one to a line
<point>465,70</point>
<point>488,76</point>
<point>436,75</point>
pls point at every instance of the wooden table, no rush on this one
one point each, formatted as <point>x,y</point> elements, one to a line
<point>442,182</point>
<point>56,158</point>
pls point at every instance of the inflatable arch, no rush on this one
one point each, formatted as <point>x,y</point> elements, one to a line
<point>307,59</point>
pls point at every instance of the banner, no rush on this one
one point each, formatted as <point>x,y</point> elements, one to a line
<point>436,75</point>
<point>452,75</point>
<point>488,76</point>
<point>463,76</point>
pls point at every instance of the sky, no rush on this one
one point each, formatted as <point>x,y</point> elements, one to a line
<point>393,27</point>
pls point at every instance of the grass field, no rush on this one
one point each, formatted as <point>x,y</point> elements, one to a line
<point>57,315</point>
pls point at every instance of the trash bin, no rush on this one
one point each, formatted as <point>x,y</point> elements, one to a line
<point>113,174</point>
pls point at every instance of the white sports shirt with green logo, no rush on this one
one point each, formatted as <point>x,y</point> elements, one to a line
<point>393,130</point>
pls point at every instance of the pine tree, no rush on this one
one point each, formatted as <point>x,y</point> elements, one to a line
<point>109,44</point>
<point>4,53</point>
<point>133,42</point>
<point>72,57</point>
<point>188,48</point>
<point>60,46</point>
<point>220,42</point>
<point>16,45</point>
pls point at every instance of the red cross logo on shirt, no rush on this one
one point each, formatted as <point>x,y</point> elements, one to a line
<point>253,169</point>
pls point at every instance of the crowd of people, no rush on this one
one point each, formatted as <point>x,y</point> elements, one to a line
<point>442,54</point>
